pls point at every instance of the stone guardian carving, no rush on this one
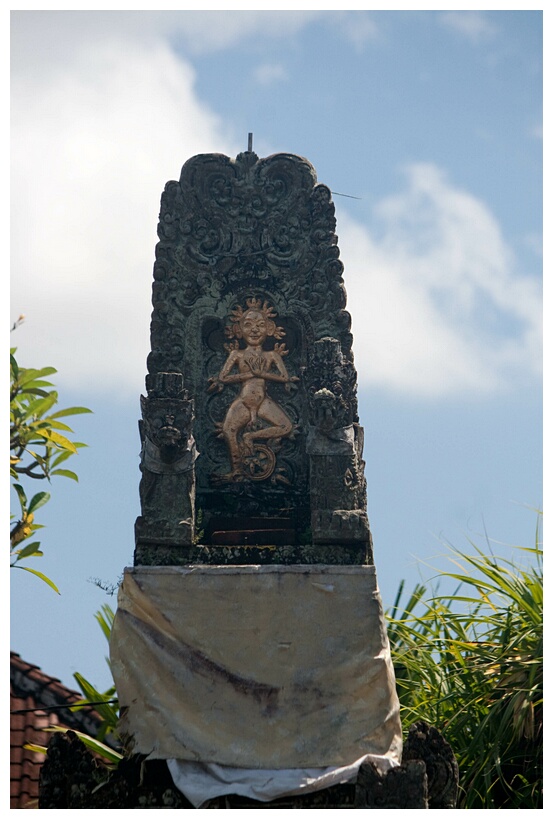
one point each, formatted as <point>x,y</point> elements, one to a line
<point>168,454</point>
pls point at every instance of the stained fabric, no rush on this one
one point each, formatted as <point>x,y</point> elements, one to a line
<point>262,667</point>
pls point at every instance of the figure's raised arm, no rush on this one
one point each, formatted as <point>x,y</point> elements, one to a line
<point>217,382</point>
<point>282,373</point>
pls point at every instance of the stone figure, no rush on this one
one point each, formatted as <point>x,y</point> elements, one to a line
<point>167,465</point>
<point>335,448</point>
<point>243,425</point>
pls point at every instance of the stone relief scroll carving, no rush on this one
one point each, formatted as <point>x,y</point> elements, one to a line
<point>231,225</point>
<point>255,423</point>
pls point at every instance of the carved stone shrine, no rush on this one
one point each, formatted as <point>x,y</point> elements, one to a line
<point>251,366</point>
<point>249,647</point>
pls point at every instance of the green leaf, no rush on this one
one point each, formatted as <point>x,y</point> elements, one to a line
<point>13,364</point>
<point>37,749</point>
<point>60,457</point>
<point>58,424</point>
<point>57,439</point>
<point>39,383</point>
<point>98,747</point>
<point>29,375</point>
<point>105,618</point>
<point>70,411</point>
<point>38,574</point>
<point>21,495</point>
<point>105,709</point>
<point>30,549</point>
<point>66,473</point>
<point>38,500</point>
<point>41,405</point>
<point>35,390</point>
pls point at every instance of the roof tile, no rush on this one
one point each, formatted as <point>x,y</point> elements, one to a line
<point>32,690</point>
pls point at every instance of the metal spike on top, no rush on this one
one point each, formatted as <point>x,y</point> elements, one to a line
<point>250,142</point>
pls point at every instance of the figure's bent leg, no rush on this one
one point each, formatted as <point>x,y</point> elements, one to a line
<point>281,425</point>
<point>237,417</point>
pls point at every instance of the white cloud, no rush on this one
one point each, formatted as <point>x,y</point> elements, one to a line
<point>437,305</point>
<point>269,73</point>
<point>103,113</point>
<point>216,30</point>
<point>473,25</point>
<point>92,149</point>
<point>57,34</point>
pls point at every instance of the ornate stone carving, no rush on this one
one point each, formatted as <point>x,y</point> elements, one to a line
<point>234,233</point>
<point>167,465</point>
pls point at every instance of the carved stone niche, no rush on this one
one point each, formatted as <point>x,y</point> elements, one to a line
<point>249,310</point>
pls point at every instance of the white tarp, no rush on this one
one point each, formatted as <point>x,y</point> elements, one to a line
<point>202,781</point>
<point>263,667</point>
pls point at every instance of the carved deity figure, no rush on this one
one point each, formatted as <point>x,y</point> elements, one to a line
<point>254,415</point>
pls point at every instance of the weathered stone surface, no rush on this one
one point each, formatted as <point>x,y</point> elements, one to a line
<point>71,778</point>
<point>240,553</point>
<point>167,487</point>
<point>402,787</point>
<point>424,742</point>
<point>249,305</point>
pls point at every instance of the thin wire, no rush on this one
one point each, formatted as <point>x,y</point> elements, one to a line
<point>335,193</point>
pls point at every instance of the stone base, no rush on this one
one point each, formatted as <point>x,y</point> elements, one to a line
<point>340,526</point>
<point>344,554</point>
<point>71,778</point>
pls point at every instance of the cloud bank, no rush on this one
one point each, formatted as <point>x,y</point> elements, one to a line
<point>97,131</point>
<point>93,146</point>
<point>438,306</point>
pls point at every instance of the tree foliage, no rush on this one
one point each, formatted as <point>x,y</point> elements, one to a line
<point>39,449</point>
<point>471,663</point>
<point>105,703</point>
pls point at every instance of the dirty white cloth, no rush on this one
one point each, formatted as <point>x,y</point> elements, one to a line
<point>261,667</point>
<point>202,781</point>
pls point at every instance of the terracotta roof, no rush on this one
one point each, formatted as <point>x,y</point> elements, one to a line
<point>37,701</point>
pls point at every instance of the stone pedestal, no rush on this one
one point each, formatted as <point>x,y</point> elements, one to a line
<point>71,778</point>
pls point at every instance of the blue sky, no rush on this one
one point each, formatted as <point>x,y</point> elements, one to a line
<point>431,119</point>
